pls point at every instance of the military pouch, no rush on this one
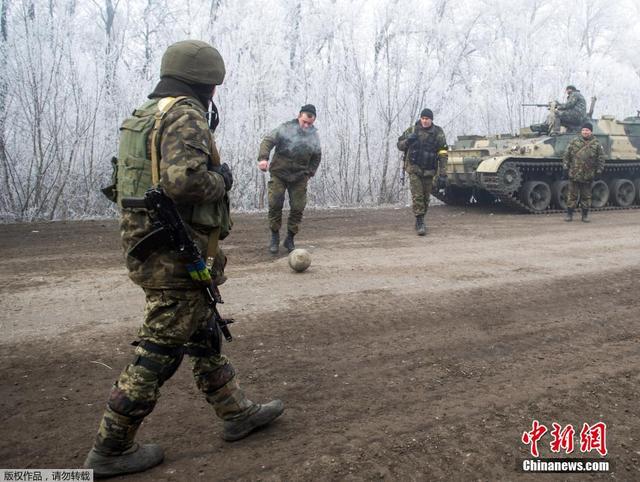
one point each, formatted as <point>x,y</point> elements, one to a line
<point>215,214</point>
<point>431,161</point>
<point>424,160</point>
<point>134,177</point>
<point>133,165</point>
<point>111,191</point>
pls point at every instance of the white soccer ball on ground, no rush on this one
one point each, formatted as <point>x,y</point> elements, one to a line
<point>299,260</point>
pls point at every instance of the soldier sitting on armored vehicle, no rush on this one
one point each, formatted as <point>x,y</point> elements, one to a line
<point>570,115</point>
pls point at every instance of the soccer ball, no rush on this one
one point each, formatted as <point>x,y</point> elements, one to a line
<point>299,260</point>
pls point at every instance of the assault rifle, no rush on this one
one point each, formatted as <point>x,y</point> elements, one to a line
<point>536,105</point>
<point>169,230</point>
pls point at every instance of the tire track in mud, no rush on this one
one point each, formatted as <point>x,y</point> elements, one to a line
<point>437,378</point>
<point>381,384</point>
<point>506,365</point>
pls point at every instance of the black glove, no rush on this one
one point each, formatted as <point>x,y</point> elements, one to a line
<point>411,138</point>
<point>565,174</point>
<point>226,174</point>
<point>442,182</point>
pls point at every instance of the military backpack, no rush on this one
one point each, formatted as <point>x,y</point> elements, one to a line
<point>137,166</point>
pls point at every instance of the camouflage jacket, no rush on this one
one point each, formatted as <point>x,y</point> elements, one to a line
<point>584,159</point>
<point>297,151</point>
<point>428,155</point>
<point>187,152</point>
<point>575,103</point>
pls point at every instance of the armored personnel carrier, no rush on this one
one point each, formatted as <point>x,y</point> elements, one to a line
<point>524,171</point>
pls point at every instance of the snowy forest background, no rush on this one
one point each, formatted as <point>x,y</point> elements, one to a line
<point>72,70</point>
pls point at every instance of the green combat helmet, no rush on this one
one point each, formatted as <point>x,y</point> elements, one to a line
<point>193,62</point>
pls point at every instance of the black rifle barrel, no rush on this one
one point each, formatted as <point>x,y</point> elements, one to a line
<point>134,203</point>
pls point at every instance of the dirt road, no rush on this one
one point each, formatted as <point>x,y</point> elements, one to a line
<point>398,357</point>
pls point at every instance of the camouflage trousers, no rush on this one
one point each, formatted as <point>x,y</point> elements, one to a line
<point>420,193</point>
<point>579,190</point>
<point>567,118</point>
<point>173,319</point>
<point>297,202</point>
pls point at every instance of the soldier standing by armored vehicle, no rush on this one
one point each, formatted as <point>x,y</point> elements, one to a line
<point>571,114</point>
<point>582,162</point>
<point>296,160</point>
<point>168,143</point>
<point>425,156</point>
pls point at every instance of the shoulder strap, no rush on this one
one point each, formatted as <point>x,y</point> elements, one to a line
<point>164,105</point>
<point>584,146</point>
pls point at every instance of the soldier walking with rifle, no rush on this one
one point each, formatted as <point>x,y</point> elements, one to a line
<point>168,144</point>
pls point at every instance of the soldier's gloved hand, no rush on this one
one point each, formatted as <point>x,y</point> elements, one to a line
<point>442,181</point>
<point>411,138</point>
<point>226,174</point>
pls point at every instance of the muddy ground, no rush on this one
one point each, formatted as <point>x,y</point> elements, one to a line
<point>398,357</point>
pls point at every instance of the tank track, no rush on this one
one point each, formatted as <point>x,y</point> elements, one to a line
<point>531,170</point>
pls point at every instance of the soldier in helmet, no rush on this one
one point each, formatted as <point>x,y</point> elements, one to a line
<point>582,162</point>
<point>571,114</point>
<point>295,161</point>
<point>425,157</point>
<point>179,154</point>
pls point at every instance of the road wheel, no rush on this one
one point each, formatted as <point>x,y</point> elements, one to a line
<point>622,192</point>
<point>536,195</point>
<point>559,192</point>
<point>599,194</point>
<point>636,183</point>
<point>509,178</point>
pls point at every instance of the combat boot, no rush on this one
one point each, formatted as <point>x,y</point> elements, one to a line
<point>585,215</point>
<point>114,451</point>
<point>240,414</point>
<point>264,415</point>
<point>288,242</point>
<point>421,229</point>
<point>136,459</point>
<point>569,215</point>
<point>539,128</point>
<point>275,242</point>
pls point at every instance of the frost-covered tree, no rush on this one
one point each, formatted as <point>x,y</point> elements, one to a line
<point>71,70</point>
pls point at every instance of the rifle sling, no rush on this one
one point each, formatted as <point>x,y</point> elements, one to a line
<point>586,144</point>
<point>149,244</point>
